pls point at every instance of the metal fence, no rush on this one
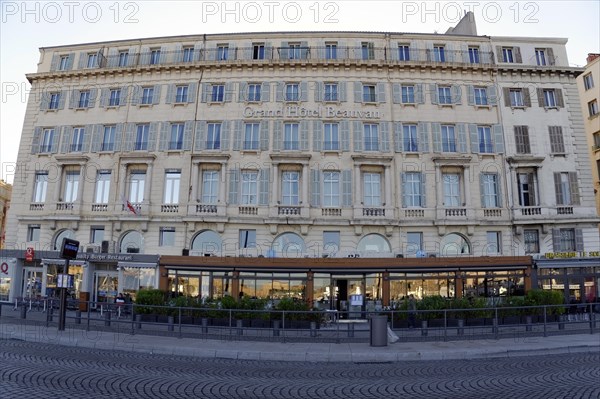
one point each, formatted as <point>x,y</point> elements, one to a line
<point>312,326</point>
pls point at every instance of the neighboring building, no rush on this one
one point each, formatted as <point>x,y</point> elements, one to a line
<point>300,144</point>
<point>589,93</point>
<point>5,194</point>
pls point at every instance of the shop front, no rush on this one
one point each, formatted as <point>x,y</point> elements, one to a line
<point>351,286</point>
<point>578,279</point>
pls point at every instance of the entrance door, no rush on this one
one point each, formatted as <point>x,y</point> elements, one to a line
<point>350,295</point>
<point>106,286</point>
<point>32,282</point>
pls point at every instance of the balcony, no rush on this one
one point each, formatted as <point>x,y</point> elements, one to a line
<point>302,54</point>
<point>99,207</point>
<point>169,208</point>
<point>375,212</point>
<point>248,210</point>
<point>206,209</point>
<point>564,210</point>
<point>36,207</point>
<point>456,212</point>
<point>414,213</point>
<point>531,211</point>
<point>65,206</point>
<point>289,210</point>
<point>492,213</point>
<point>331,212</point>
<point>136,208</point>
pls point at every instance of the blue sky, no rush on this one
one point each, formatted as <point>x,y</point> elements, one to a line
<point>27,26</point>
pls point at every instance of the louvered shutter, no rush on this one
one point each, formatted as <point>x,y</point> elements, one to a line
<point>423,135</point>
<point>66,138</point>
<point>474,138</point>
<point>462,138</point>
<point>397,136</point>
<point>558,189</point>
<point>358,92</point>
<point>234,184</point>
<point>74,99</point>
<point>303,91</point>
<point>200,142</point>
<point>225,134</point>
<point>342,96</point>
<point>93,95</point>
<point>152,136</point>
<point>317,135</point>
<point>397,93</point>
<point>170,94</point>
<point>456,94</point>
<point>419,94</point>
<point>433,91</point>
<point>97,138</point>
<point>436,131</point>
<point>574,188</point>
<point>304,135</point>
<point>470,95</point>
<point>87,130</point>
<point>188,132</point>
<point>579,240</point>
<point>243,92</point>
<point>264,135</point>
<point>165,136</point>
<point>347,188</point>
<point>498,139</point>
<point>318,91</point>
<point>265,92</point>
<point>384,137</point>
<point>264,187</point>
<point>315,198</point>
<point>381,92</point>
<point>277,135</point>
<point>357,131</point>
<point>492,95</point>
<point>229,92</point>
<point>556,240</point>
<point>156,94</point>
<point>345,133</point>
<point>237,135</point>
<point>192,89</point>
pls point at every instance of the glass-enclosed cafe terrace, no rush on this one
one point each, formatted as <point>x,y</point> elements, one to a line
<point>345,284</point>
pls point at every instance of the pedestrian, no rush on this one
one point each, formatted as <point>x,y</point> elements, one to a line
<point>412,311</point>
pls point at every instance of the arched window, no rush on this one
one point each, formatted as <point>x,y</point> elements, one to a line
<point>132,243</point>
<point>207,242</point>
<point>374,243</point>
<point>455,244</point>
<point>288,245</point>
<point>59,238</point>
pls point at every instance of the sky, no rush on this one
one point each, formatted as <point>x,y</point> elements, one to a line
<point>26,26</point>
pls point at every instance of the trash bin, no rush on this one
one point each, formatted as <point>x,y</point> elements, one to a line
<point>378,326</point>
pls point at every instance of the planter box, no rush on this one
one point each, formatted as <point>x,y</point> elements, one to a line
<point>162,319</point>
<point>454,322</point>
<point>511,320</point>
<point>148,318</point>
<point>436,323</point>
<point>220,322</point>
<point>260,323</point>
<point>186,320</point>
<point>475,322</point>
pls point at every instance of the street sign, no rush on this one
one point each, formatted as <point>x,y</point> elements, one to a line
<point>69,249</point>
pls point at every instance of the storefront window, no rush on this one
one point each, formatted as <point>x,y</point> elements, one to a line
<point>273,285</point>
<point>52,272</point>
<point>221,284</point>
<point>421,285</point>
<point>494,284</point>
<point>137,278</point>
<point>4,288</point>
<point>322,291</point>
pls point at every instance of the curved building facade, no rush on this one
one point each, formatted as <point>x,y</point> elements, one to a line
<point>301,145</point>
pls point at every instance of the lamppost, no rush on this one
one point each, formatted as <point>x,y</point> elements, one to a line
<point>68,251</point>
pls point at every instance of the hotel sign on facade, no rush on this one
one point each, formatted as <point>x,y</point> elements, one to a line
<point>327,112</point>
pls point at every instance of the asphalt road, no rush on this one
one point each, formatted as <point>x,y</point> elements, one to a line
<point>29,369</point>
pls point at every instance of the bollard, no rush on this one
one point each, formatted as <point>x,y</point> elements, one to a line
<point>495,326</point>
<point>461,327</point>
<point>561,322</point>
<point>313,329</point>
<point>239,328</point>
<point>171,322</point>
<point>138,320</point>
<point>528,323</point>
<point>23,311</point>
<point>350,330</point>
<point>49,314</point>
<point>106,319</point>
<point>78,317</point>
<point>276,324</point>
<point>424,328</point>
<point>205,325</point>
<point>0,310</point>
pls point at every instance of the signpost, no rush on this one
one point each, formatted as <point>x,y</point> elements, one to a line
<point>68,251</point>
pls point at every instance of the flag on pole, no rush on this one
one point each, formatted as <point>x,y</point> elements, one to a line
<point>129,206</point>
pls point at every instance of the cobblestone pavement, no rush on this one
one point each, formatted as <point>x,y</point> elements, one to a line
<point>29,369</point>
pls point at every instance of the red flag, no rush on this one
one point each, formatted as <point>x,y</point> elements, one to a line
<point>128,205</point>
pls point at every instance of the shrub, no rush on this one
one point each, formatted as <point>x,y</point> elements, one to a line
<point>430,303</point>
<point>546,297</point>
<point>151,298</point>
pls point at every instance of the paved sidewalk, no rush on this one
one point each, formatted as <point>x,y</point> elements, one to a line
<point>309,352</point>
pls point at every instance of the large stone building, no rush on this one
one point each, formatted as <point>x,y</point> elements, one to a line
<point>590,96</point>
<point>308,145</point>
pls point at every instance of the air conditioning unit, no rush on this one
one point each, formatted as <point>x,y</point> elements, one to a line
<point>354,255</point>
<point>399,255</point>
<point>108,247</point>
<point>432,254</point>
<point>538,256</point>
<point>92,249</point>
